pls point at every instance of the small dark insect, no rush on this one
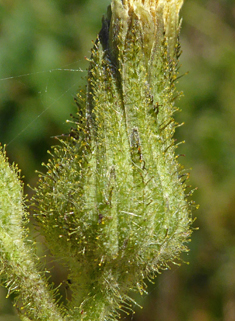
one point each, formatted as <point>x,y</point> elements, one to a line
<point>156,108</point>
<point>135,142</point>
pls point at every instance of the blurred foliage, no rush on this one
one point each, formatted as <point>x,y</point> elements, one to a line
<point>42,65</point>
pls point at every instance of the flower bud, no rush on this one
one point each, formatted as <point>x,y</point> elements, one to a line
<point>112,203</point>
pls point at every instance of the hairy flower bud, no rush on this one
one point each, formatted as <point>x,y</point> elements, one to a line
<point>112,203</point>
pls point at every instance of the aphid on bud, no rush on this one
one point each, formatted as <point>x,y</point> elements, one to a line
<point>136,147</point>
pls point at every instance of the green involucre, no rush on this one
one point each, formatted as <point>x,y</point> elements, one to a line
<point>112,203</point>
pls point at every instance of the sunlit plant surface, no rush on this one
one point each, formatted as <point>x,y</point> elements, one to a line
<point>112,204</point>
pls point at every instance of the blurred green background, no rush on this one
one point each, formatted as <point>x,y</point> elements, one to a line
<point>42,66</point>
